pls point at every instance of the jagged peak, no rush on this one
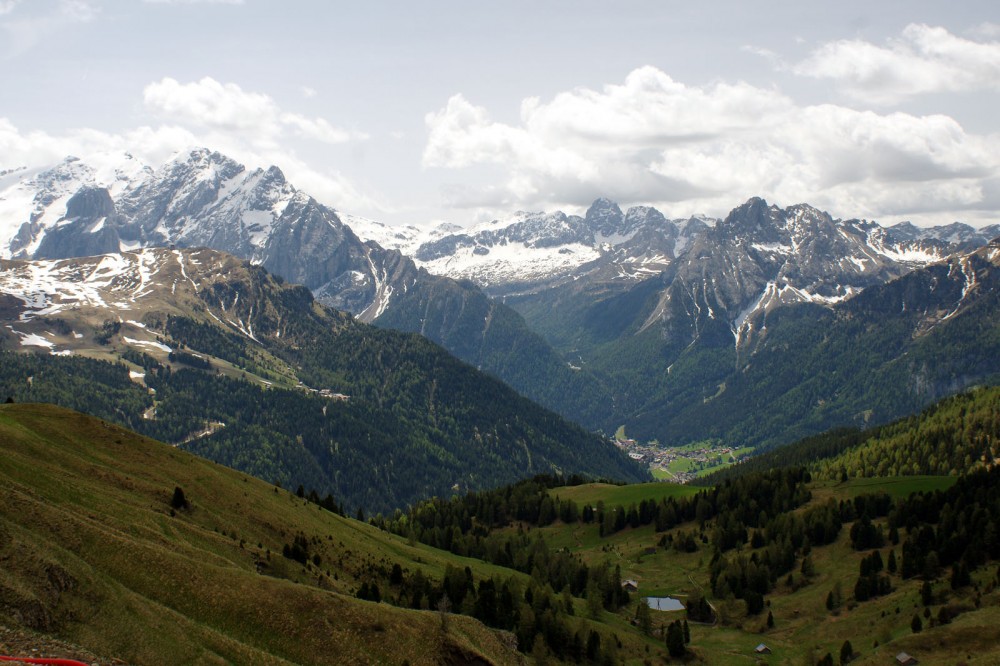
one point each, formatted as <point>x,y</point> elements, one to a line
<point>69,165</point>
<point>905,226</point>
<point>755,212</point>
<point>274,174</point>
<point>203,159</point>
<point>603,205</point>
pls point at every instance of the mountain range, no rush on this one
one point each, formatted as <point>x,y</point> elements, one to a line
<point>204,199</point>
<point>613,317</point>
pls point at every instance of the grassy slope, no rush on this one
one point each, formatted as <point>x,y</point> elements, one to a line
<point>590,493</point>
<point>91,554</point>
<point>803,626</point>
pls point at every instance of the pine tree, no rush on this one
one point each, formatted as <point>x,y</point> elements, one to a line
<point>846,652</point>
<point>178,501</point>
<point>644,618</point>
<point>916,624</point>
<point>675,640</point>
<point>770,620</point>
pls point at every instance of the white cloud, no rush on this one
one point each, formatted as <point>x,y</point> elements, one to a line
<point>225,107</point>
<point>924,59</point>
<point>7,6</point>
<point>687,149</point>
<point>248,126</point>
<point>154,145</point>
<point>308,92</point>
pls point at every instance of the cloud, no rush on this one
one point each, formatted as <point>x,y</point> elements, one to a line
<point>308,92</point>
<point>225,107</point>
<point>688,148</point>
<point>7,6</point>
<point>923,60</point>
<point>248,126</point>
<point>154,145</point>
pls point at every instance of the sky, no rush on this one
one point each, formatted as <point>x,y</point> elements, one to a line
<point>421,112</point>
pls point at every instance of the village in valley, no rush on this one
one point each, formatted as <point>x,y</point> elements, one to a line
<point>680,464</point>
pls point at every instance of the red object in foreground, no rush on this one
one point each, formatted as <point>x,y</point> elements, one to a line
<point>50,662</point>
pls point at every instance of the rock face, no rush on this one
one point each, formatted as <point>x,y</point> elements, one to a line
<point>90,227</point>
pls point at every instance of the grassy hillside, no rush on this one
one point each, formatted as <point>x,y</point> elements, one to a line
<point>94,554</point>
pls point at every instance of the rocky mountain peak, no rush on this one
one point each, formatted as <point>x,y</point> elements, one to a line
<point>905,231</point>
<point>604,217</point>
<point>752,215</point>
<point>638,216</point>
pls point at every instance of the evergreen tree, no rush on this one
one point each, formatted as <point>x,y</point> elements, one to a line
<point>808,569</point>
<point>846,653</point>
<point>644,618</point>
<point>179,501</point>
<point>916,624</point>
<point>675,640</point>
<point>593,645</point>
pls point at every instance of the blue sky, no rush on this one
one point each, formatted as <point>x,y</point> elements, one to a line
<point>459,111</point>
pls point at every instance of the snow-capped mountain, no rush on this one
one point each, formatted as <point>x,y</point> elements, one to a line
<point>756,260</point>
<point>205,199</point>
<point>761,257</point>
<point>529,251</point>
<point>199,199</point>
<point>957,233</point>
<point>688,276</point>
<point>34,201</point>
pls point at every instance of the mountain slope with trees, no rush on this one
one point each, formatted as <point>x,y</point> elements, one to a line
<point>252,372</point>
<point>887,352</point>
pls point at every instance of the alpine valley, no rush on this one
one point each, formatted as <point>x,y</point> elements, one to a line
<point>330,485</point>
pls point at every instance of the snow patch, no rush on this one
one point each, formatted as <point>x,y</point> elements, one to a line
<point>33,340</point>
<point>147,343</point>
